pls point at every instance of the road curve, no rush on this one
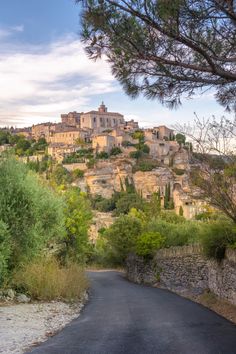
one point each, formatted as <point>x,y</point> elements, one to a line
<point>122,317</point>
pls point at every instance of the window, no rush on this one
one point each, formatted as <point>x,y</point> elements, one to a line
<point>94,119</point>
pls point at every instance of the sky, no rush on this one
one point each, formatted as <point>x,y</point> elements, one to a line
<point>45,72</point>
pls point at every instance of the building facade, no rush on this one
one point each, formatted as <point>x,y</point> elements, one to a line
<point>101,120</point>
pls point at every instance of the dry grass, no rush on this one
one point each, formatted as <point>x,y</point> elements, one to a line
<point>47,280</point>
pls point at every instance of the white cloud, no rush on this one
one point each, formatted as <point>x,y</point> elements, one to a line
<point>38,83</point>
<point>9,31</point>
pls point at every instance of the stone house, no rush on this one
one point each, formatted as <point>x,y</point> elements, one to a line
<point>162,132</point>
<point>71,119</point>
<point>101,120</point>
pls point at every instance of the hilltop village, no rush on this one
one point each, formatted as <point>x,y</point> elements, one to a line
<point>108,152</point>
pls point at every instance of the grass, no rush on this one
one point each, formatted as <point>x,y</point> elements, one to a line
<point>48,280</point>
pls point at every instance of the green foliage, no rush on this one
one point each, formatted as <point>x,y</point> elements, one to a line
<point>102,155</point>
<point>138,135</point>
<point>4,137</point>
<point>78,156</point>
<point>5,251</point>
<point>216,236</point>
<point>103,204</point>
<point>61,175</point>
<point>78,217</point>
<point>145,149</point>
<point>176,234</point>
<point>180,138</point>
<point>168,200</point>
<point>144,165</point>
<point>148,243</point>
<point>77,173</point>
<point>115,151</point>
<point>127,201</point>
<point>32,213</point>
<point>122,236</point>
<point>135,154</point>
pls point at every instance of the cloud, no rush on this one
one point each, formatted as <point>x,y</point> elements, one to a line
<point>6,32</point>
<point>38,83</point>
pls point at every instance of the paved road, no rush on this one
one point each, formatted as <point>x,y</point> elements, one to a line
<point>122,317</point>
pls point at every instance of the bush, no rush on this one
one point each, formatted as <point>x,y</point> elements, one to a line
<point>61,175</point>
<point>135,154</point>
<point>102,155</point>
<point>115,151</point>
<point>47,280</point>
<point>77,173</point>
<point>145,165</point>
<point>32,212</point>
<point>122,236</point>
<point>78,217</point>
<point>127,201</point>
<point>5,251</point>
<point>176,234</point>
<point>148,243</point>
<point>216,236</point>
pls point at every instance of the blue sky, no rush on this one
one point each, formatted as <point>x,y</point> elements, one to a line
<point>44,71</point>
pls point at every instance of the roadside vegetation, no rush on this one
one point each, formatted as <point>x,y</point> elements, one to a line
<point>43,233</point>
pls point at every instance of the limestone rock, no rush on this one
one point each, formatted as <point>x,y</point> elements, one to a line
<point>22,298</point>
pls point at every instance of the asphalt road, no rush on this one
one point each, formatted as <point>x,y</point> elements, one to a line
<point>122,317</point>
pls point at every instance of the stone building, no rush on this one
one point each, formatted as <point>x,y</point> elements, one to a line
<point>69,136</point>
<point>101,120</point>
<point>162,132</point>
<point>71,119</point>
<point>103,142</point>
<point>42,130</point>
<point>131,126</point>
<point>57,150</point>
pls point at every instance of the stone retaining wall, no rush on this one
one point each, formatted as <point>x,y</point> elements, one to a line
<point>186,270</point>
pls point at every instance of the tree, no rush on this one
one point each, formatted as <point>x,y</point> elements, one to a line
<point>122,236</point>
<point>32,214</point>
<point>78,217</point>
<point>180,138</point>
<point>166,48</point>
<point>214,169</point>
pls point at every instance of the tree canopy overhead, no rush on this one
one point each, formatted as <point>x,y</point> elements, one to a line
<point>166,49</point>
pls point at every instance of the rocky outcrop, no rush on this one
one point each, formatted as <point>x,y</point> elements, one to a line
<point>147,183</point>
<point>185,270</point>
<point>109,176</point>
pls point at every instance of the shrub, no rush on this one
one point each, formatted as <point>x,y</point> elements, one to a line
<point>77,173</point>
<point>145,148</point>
<point>128,201</point>
<point>122,235</point>
<point>5,251</point>
<point>32,212</point>
<point>176,234</point>
<point>102,155</point>
<point>115,151</point>
<point>48,280</point>
<point>135,154</point>
<point>216,236</point>
<point>61,175</point>
<point>78,217</point>
<point>145,165</point>
<point>148,243</point>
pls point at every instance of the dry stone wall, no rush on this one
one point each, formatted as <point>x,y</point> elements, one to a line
<point>186,270</point>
